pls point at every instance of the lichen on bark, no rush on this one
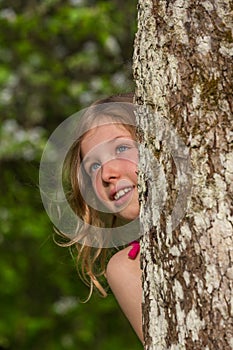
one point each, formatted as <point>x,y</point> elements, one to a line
<point>183,74</point>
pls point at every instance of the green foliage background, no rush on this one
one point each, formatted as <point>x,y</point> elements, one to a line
<point>56,57</point>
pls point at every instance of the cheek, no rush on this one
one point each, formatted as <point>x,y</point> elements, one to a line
<point>134,163</point>
<point>97,186</point>
<point>132,171</point>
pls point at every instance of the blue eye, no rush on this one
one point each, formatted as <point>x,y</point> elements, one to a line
<point>121,148</point>
<point>94,167</point>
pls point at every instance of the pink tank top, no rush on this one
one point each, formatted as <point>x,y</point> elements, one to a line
<point>134,250</point>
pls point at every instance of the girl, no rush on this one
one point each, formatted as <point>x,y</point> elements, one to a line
<point>101,168</point>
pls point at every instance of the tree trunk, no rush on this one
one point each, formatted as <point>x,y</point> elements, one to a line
<point>183,76</point>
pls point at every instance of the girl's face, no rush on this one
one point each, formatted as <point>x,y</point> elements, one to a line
<point>110,158</point>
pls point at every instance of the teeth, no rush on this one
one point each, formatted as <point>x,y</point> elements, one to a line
<point>122,193</point>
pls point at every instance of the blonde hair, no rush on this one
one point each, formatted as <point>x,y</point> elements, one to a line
<point>91,262</point>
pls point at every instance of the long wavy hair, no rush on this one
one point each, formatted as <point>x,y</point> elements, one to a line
<point>91,262</point>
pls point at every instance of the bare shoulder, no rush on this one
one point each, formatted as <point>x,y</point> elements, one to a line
<point>124,278</point>
<point>123,273</point>
<point>119,257</point>
<point>121,264</point>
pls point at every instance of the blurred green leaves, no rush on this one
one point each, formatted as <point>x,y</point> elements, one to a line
<point>56,57</point>
<point>48,46</point>
<point>17,142</point>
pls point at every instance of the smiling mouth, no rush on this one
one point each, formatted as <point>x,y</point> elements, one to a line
<point>122,193</point>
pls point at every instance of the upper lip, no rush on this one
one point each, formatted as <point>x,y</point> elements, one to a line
<point>114,191</point>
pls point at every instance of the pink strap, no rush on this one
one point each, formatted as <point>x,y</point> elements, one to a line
<point>134,250</point>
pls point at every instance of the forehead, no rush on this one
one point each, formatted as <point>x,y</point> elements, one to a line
<point>101,134</point>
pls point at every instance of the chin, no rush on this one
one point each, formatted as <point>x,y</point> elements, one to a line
<point>128,216</point>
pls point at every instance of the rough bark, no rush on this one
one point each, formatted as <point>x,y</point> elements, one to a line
<point>183,75</point>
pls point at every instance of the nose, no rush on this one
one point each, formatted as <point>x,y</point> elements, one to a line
<point>110,171</point>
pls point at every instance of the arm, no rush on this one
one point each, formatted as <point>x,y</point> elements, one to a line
<point>124,278</point>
